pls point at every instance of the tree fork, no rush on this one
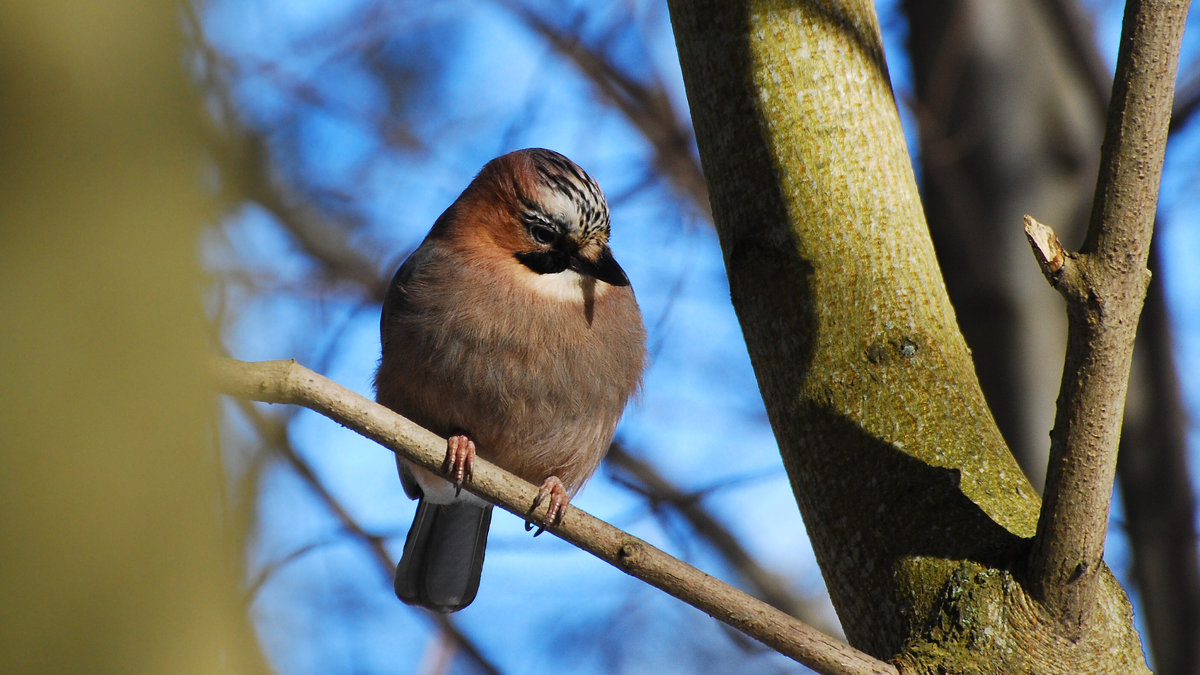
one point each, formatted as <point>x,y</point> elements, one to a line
<point>1104,285</point>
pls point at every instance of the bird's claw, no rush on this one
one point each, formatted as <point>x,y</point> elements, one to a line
<point>459,464</point>
<point>553,490</point>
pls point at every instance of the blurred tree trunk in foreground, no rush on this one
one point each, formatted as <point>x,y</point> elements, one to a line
<point>917,511</point>
<point>113,554</point>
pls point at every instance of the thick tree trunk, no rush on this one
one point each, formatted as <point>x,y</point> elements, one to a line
<point>918,514</point>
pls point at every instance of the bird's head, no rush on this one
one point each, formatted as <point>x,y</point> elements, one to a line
<point>546,212</point>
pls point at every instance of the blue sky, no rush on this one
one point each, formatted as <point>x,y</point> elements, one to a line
<point>327,608</point>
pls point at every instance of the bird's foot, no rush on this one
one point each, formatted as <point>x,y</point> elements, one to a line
<point>554,490</point>
<point>459,464</point>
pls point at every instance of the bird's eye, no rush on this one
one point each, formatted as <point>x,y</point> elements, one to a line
<point>542,234</point>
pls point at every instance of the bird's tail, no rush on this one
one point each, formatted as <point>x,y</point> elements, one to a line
<point>443,555</point>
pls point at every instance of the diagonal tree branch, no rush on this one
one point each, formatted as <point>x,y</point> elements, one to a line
<point>288,382</point>
<point>1156,490</point>
<point>1105,286</point>
<point>766,584</point>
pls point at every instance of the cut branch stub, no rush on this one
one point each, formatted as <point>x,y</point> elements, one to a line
<point>1046,247</point>
<point>1058,265</point>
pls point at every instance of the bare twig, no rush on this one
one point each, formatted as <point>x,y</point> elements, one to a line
<point>1047,249</point>
<point>288,382</point>
<point>1105,286</point>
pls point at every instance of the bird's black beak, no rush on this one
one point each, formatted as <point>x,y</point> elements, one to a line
<point>605,268</point>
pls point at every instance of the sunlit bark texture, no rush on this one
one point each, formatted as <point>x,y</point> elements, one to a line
<point>916,509</point>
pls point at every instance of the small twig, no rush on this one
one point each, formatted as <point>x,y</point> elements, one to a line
<point>288,382</point>
<point>1105,286</point>
<point>1057,264</point>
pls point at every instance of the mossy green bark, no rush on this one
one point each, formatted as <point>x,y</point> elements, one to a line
<point>906,486</point>
<point>115,559</point>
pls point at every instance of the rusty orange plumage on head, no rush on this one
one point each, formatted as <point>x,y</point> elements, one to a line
<point>513,331</point>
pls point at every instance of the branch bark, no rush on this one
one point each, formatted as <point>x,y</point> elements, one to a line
<point>993,148</point>
<point>764,583</point>
<point>1105,286</point>
<point>288,382</point>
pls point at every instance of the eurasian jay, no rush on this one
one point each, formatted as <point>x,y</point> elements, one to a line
<point>512,331</point>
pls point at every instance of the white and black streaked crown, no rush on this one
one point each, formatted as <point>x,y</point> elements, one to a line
<point>568,197</point>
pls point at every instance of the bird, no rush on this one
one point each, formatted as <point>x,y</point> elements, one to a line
<point>513,332</point>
